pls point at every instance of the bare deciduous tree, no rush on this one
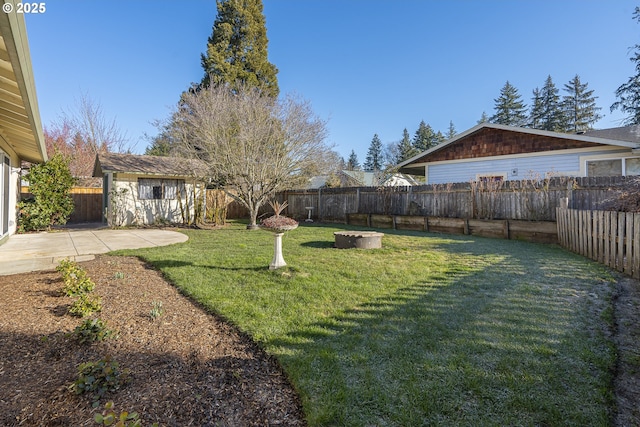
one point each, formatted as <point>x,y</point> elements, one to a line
<point>254,145</point>
<point>83,132</point>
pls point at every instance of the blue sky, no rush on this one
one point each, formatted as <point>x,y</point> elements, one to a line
<point>366,66</point>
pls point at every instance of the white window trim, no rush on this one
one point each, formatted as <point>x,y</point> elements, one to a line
<point>503,175</point>
<point>586,159</point>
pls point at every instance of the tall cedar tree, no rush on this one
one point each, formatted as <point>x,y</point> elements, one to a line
<point>628,93</point>
<point>353,164</point>
<point>237,49</point>
<point>509,109</point>
<point>405,149</point>
<point>373,161</point>
<point>580,109</point>
<point>552,114</point>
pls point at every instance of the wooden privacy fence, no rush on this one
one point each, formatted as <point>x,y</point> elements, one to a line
<point>87,203</point>
<point>530,200</point>
<point>611,238</point>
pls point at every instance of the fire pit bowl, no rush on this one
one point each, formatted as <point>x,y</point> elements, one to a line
<point>358,239</point>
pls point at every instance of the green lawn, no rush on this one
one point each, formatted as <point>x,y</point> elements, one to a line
<point>430,330</point>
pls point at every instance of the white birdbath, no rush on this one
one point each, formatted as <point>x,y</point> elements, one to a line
<point>309,208</point>
<point>278,260</point>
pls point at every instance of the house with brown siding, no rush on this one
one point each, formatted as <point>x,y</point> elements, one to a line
<point>498,152</point>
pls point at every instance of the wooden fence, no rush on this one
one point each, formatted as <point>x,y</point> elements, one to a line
<point>611,238</point>
<point>528,200</point>
<point>87,203</point>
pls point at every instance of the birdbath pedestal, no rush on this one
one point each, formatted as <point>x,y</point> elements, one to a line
<point>278,260</point>
<point>309,208</point>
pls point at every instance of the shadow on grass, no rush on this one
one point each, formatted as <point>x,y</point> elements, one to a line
<point>499,345</point>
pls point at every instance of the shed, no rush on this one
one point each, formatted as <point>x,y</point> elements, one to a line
<point>144,190</point>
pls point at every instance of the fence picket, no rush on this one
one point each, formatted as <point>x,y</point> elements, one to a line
<point>611,238</point>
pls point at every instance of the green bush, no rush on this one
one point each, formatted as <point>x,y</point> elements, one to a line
<point>49,183</point>
<point>85,305</point>
<point>92,330</point>
<point>110,418</point>
<point>99,377</point>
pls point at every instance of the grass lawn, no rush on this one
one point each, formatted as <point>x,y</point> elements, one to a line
<point>429,330</point>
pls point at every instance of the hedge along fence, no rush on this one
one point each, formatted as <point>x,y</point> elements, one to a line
<point>528,200</point>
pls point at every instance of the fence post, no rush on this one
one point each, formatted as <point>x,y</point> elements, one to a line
<point>564,203</point>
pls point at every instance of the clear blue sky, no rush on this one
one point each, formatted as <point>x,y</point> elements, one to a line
<point>367,66</point>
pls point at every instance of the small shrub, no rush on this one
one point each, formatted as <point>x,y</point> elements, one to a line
<point>99,377</point>
<point>118,275</point>
<point>156,310</point>
<point>92,330</point>
<point>76,281</point>
<point>85,305</point>
<point>110,418</point>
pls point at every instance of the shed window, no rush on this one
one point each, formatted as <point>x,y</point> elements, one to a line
<point>168,189</point>
<point>614,167</point>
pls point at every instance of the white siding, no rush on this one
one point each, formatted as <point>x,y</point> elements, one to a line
<point>515,167</point>
<point>130,210</point>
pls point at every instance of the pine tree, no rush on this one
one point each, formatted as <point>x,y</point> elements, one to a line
<point>353,164</point>
<point>579,106</point>
<point>237,48</point>
<point>425,137</point>
<point>484,118</point>
<point>536,112</point>
<point>628,93</point>
<point>452,130</point>
<point>405,149</point>
<point>509,109</point>
<point>373,161</point>
<point>552,114</point>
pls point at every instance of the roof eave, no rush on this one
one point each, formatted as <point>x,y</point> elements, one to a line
<point>14,34</point>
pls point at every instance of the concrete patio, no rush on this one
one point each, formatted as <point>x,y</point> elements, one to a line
<point>42,251</point>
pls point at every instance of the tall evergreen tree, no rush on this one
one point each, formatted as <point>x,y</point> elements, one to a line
<point>484,118</point>
<point>509,109</point>
<point>537,110</point>
<point>424,137</point>
<point>628,93</point>
<point>353,164</point>
<point>237,48</point>
<point>579,106</point>
<point>405,149</point>
<point>373,161</point>
<point>552,114</point>
<point>452,130</point>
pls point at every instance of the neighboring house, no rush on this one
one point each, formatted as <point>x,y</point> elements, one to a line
<point>359,178</point>
<point>141,190</point>
<point>498,152</point>
<point>20,127</point>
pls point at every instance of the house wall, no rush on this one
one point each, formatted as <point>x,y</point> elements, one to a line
<point>123,206</point>
<point>9,190</point>
<point>521,166</point>
<point>491,142</point>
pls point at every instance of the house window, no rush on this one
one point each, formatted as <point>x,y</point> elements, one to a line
<point>491,177</point>
<point>156,189</point>
<point>614,167</point>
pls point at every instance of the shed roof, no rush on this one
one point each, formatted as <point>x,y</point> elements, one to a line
<point>148,165</point>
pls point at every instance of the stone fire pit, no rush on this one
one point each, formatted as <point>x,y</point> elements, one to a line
<point>358,239</point>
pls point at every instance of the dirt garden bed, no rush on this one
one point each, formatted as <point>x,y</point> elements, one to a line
<point>188,368</point>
